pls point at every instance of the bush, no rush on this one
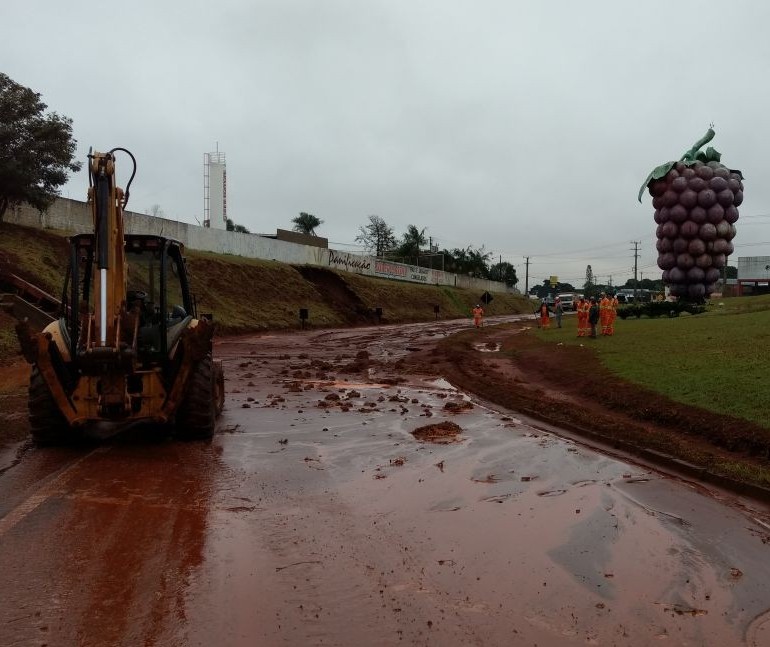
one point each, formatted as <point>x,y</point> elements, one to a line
<point>660,309</point>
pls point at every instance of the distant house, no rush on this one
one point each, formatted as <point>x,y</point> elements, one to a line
<point>753,275</point>
<point>301,239</point>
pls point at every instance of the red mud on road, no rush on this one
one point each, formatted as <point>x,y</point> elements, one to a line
<point>317,517</point>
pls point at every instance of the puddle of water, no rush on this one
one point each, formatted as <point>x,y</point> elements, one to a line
<point>551,492</point>
<point>440,383</point>
<point>488,348</point>
<point>348,385</point>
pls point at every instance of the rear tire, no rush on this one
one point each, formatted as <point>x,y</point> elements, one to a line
<point>47,424</point>
<point>196,416</point>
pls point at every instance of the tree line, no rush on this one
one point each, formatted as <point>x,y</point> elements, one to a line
<point>413,247</point>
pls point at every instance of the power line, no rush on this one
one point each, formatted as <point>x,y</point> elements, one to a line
<point>636,244</point>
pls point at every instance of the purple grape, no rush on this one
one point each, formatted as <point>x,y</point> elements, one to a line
<point>712,275</point>
<point>706,198</point>
<point>731,214</point>
<point>725,197</point>
<point>697,248</point>
<point>695,275</point>
<point>715,213</point>
<point>723,229</point>
<point>679,245</point>
<point>704,261</point>
<point>678,213</point>
<point>717,184</point>
<point>707,231</point>
<point>698,215</point>
<point>689,229</point>
<point>666,261</point>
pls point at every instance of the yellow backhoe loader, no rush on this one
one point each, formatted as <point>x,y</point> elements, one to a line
<point>128,345</point>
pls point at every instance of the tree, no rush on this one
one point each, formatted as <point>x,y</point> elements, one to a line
<point>589,286</point>
<point>504,272</point>
<point>377,236</point>
<point>231,226</point>
<point>36,149</point>
<point>470,261</point>
<point>155,211</point>
<point>306,223</point>
<point>545,290</point>
<point>411,242</point>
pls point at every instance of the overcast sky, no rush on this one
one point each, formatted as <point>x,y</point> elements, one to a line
<point>525,127</point>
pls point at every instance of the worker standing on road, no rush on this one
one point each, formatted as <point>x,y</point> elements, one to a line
<point>613,314</point>
<point>605,313</point>
<point>558,311</point>
<point>478,316</point>
<point>545,319</point>
<point>582,316</point>
<point>593,316</point>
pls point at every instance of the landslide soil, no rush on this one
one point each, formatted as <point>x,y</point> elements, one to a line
<point>568,387</point>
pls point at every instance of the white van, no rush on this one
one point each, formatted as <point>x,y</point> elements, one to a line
<point>569,301</point>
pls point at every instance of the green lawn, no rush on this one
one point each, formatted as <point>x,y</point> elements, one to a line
<point>718,361</point>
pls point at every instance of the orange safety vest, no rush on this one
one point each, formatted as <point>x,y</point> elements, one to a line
<point>605,314</point>
<point>582,317</point>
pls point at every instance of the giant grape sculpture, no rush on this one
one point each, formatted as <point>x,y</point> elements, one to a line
<point>696,204</point>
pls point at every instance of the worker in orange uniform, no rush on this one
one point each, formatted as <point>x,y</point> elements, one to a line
<point>605,313</point>
<point>582,316</point>
<point>613,314</point>
<point>593,316</point>
<point>478,316</point>
<point>545,319</point>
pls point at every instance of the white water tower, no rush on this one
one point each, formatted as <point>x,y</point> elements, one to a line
<point>214,190</point>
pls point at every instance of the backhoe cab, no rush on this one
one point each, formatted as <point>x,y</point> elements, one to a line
<point>128,345</point>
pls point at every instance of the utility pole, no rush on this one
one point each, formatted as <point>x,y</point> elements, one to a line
<point>636,244</point>
<point>526,279</point>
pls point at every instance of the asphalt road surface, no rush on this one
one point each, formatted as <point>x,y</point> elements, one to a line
<point>316,517</point>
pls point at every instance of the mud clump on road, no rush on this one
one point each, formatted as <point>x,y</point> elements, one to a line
<point>457,407</point>
<point>441,432</point>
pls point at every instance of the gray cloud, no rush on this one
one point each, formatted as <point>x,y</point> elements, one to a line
<point>524,127</point>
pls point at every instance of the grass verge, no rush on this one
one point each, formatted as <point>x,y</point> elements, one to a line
<point>715,361</point>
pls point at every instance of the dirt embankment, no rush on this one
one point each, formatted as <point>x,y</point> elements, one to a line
<point>250,295</point>
<point>567,386</point>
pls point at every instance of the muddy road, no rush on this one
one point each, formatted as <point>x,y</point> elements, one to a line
<point>316,517</point>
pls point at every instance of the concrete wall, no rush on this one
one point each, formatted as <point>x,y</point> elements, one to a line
<point>74,216</point>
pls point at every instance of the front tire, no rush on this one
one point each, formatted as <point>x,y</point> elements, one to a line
<point>196,417</point>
